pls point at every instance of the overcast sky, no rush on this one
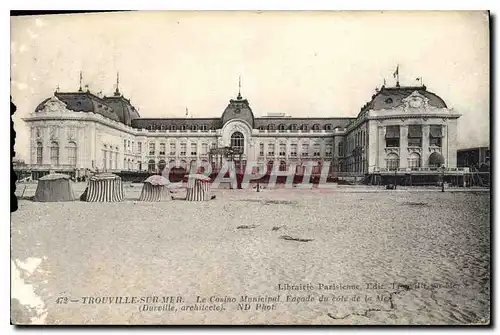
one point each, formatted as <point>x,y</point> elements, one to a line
<point>300,63</point>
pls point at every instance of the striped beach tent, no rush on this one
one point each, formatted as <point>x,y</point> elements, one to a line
<point>198,188</point>
<point>54,187</point>
<point>104,187</point>
<point>155,188</point>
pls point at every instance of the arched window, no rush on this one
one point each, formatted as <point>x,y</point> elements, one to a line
<point>392,161</point>
<point>293,127</point>
<point>39,153</point>
<point>172,127</point>
<point>194,127</point>
<point>72,153</point>
<point>183,127</point>
<point>305,127</point>
<point>162,164</point>
<point>414,160</point>
<point>271,127</point>
<point>328,126</point>
<point>237,141</point>
<point>54,153</point>
<point>151,165</point>
<point>262,128</point>
<point>316,127</point>
<point>282,166</point>
<point>282,128</point>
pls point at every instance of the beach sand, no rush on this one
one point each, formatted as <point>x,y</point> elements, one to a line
<point>233,246</point>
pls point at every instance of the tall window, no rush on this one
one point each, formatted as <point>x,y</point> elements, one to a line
<point>415,136</point>
<point>237,141</point>
<point>124,145</point>
<point>305,150</point>
<point>194,149</point>
<point>54,153</point>
<point>173,149</point>
<point>328,150</point>
<point>110,158</point>
<point>139,147</point>
<point>341,149</point>
<point>282,166</point>
<point>316,150</point>
<point>270,149</point>
<point>282,151</point>
<point>392,162</point>
<point>204,148</point>
<point>151,165</point>
<point>392,137</point>
<point>162,149</point>
<point>183,149</point>
<point>261,149</point>
<point>152,148</point>
<point>435,135</point>
<point>104,158</point>
<point>293,150</point>
<point>414,160</point>
<point>39,153</point>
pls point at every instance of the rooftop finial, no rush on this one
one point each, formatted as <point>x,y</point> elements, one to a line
<point>396,75</point>
<point>117,91</point>
<point>81,78</point>
<point>239,88</point>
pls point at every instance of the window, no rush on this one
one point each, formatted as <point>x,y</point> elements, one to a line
<point>172,127</point>
<point>392,162</point>
<point>194,149</point>
<point>316,150</point>
<point>261,129</point>
<point>110,157</point>
<point>282,128</point>
<point>305,150</point>
<point>38,132</point>
<point>293,150</point>
<point>282,166</point>
<point>139,147</point>
<point>204,148</point>
<point>124,145</point>
<point>293,127</point>
<point>173,148</point>
<point>414,160</point>
<point>341,149</point>
<point>261,149</point>
<point>194,127</point>
<point>282,151</point>
<point>162,148</point>
<point>270,149</point>
<point>316,128</point>
<point>124,163</point>
<point>435,135</point>
<point>328,150</point>
<point>39,153</point>
<point>388,101</point>
<point>271,127</point>
<point>414,135</point>
<point>54,153</point>
<point>162,127</point>
<point>237,142</point>
<point>328,127</point>
<point>151,166</point>
<point>183,149</point>
<point>183,128</point>
<point>305,127</point>
<point>152,148</point>
<point>204,128</point>
<point>392,137</point>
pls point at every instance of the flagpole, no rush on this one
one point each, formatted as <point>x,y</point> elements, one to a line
<point>397,74</point>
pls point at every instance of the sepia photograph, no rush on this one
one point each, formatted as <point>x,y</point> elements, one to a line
<point>251,168</point>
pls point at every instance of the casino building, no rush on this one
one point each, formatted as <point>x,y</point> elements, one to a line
<point>400,131</point>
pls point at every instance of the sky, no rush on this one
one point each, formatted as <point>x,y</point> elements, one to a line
<point>304,64</point>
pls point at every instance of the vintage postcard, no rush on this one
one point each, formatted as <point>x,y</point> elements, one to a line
<point>251,168</point>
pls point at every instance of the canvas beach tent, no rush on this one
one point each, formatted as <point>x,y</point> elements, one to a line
<point>155,188</point>
<point>198,188</point>
<point>104,187</point>
<point>54,187</point>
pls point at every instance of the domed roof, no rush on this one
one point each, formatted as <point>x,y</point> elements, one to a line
<point>238,109</point>
<point>116,108</point>
<point>390,97</point>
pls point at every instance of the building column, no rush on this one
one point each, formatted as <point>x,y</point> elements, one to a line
<point>444,146</point>
<point>425,145</point>
<point>381,146</point>
<point>403,144</point>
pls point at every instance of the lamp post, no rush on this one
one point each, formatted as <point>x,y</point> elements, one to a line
<point>442,177</point>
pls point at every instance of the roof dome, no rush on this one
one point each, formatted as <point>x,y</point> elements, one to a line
<point>238,109</point>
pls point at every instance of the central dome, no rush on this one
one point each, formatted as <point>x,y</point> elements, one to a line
<point>238,109</point>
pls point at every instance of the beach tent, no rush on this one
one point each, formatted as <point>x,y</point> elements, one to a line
<point>104,187</point>
<point>54,187</point>
<point>155,188</point>
<point>198,188</point>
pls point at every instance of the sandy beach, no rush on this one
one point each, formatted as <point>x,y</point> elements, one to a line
<point>408,256</point>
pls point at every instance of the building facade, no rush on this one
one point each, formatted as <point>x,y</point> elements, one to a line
<point>400,129</point>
